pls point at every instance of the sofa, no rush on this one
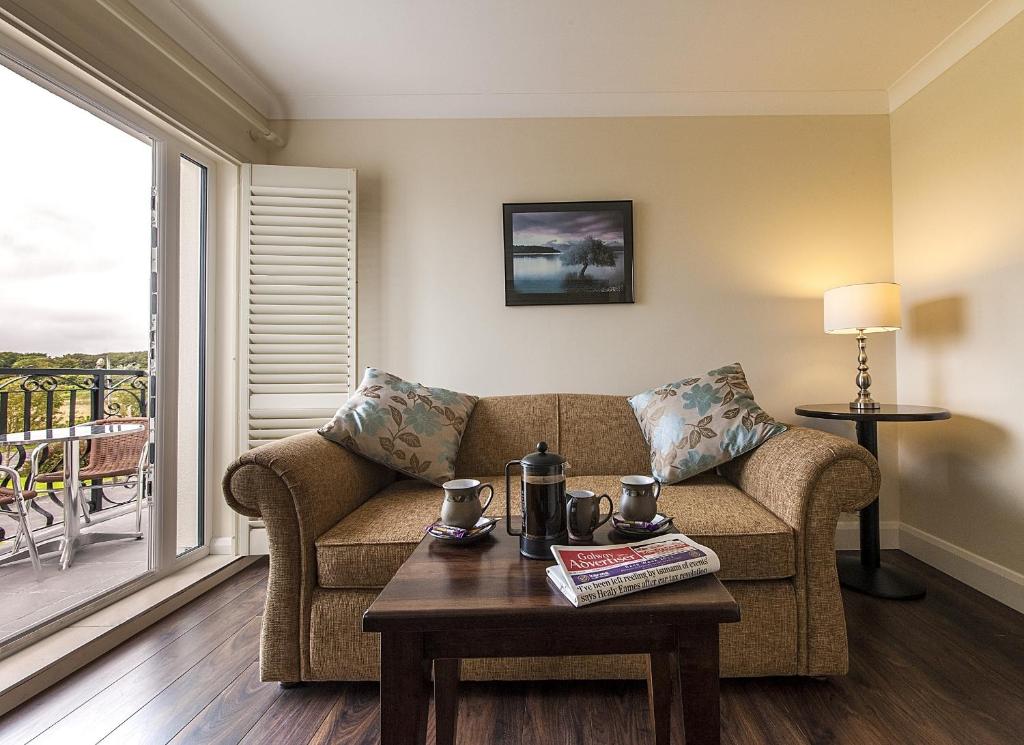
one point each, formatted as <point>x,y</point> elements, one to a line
<point>339,526</point>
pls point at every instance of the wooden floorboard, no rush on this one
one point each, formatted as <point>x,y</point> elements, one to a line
<point>231,712</point>
<point>353,718</point>
<point>296,714</point>
<point>947,669</point>
<point>110,707</point>
<point>53,704</point>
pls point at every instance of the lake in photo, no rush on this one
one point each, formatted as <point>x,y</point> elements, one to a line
<point>562,253</point>
<point>545,273</point>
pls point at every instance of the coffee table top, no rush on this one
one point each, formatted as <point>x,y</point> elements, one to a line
<point>488,585</point>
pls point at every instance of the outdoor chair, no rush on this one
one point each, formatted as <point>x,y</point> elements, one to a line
<point>16,496</point>
<point>123,459</point>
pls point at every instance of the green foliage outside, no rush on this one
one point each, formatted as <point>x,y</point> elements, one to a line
<point>121,360</point>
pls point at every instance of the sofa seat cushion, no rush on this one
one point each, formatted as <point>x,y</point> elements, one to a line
<point>367,547</point>
<point>752,542</point>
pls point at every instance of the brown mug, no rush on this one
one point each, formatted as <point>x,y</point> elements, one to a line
<point>583,513</point>
<point>639,499</point>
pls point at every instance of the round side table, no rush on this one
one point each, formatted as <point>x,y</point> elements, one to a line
<point>866,573</point>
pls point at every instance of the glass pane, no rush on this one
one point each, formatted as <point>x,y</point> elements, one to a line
<point>75,250</point>
<point>191,355</point>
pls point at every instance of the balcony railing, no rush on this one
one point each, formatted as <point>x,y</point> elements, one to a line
<point>44,398</point>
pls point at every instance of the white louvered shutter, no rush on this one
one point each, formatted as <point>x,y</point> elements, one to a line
<point>299,318</point>
<point>300,306</point>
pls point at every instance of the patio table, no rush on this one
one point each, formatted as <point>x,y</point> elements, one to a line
<point>71,439</point>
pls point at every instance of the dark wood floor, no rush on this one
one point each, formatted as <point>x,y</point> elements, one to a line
<point>948,669</point>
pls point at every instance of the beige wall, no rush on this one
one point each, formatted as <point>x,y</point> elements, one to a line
<point>740,224</point>
<point>958,196</point>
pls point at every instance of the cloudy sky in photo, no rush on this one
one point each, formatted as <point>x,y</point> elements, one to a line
<point>74,227</point>
<point>555,228</point>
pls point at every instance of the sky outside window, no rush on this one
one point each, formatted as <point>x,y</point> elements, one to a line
<point>74,227</point>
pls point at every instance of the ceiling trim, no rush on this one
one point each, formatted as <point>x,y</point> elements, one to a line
<point>968,36</point>
<point>567,105</point>
<point>204,45</point>
<point>195,37</point>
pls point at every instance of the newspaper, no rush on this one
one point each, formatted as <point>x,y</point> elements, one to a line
<point>590,574</point>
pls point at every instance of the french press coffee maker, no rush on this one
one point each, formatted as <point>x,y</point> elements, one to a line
<point>542,495</point>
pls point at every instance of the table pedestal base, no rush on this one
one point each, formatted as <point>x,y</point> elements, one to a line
<point>878,582</point>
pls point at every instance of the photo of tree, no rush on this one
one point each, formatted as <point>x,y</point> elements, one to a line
<point>561,253</point>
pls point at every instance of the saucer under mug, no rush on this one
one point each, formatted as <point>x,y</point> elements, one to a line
<point>453,534</point>
<point>659,525</point>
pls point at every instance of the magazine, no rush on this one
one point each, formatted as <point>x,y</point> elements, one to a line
<point>590,574</point>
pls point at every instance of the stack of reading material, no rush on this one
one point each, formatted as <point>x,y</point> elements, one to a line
<point>589,574</point>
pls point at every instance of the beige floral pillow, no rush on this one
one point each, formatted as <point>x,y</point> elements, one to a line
<point>698,423</point>
<point>406,426</point>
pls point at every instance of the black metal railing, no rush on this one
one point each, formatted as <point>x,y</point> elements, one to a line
<point>45,398</point>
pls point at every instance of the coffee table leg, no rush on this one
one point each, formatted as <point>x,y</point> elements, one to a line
<point>446,700</point>
<point>659,695</point>
<point>404,689</point>
<point>697,660</point>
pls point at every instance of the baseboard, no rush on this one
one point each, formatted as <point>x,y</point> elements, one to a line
<point>848,535</point>
<point>985,576</point>
<point>223,546</point>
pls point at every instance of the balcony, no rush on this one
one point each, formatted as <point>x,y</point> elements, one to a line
<point>34,399</point>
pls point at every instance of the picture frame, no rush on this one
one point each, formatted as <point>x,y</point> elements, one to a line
<point>568,253</point>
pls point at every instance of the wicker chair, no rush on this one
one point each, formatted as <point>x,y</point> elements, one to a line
<point>19,498</point>
<point>122,458</point>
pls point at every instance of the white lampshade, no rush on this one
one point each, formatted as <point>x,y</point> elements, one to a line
<point>870,308</point>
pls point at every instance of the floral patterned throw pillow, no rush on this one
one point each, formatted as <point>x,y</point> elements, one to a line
<point>699,423</point>
<point>406,426</point>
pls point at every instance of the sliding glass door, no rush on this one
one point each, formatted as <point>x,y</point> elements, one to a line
<point>105,232</point>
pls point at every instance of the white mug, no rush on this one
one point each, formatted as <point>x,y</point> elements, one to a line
<point>461,507</point>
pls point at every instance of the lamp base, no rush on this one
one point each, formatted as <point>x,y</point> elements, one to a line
<point>863,402</point>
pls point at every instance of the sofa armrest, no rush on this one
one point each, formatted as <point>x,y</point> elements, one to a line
<point>808,477</point>
<point>800,466</point>
<point>300,486</point>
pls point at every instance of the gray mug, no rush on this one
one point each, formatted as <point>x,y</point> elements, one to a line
<point>583,513</point>
<point>639,499</point>
<point>461,507</point>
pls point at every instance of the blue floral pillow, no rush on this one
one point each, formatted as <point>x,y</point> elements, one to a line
<point>699,423</point>
<point>406,426</point>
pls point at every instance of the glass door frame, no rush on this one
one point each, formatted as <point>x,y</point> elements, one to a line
<point>167,148</point>
<point>167,154</point>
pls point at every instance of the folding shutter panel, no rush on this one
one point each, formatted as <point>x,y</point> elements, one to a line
<point>299,282</point>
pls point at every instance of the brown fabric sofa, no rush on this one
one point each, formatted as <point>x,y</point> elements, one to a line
<point>339,527</point>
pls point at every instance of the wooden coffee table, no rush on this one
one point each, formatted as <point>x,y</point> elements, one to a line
<point>451,602</point>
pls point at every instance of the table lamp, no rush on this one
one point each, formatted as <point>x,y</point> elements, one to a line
<point>863,309</point>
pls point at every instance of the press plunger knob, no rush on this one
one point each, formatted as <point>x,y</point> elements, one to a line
<point>542,447</point>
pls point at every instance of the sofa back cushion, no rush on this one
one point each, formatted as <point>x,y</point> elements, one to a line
<point>599,435</point>
<point>504,428</point>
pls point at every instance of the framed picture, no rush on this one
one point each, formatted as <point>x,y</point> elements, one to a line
<point>568,253</point>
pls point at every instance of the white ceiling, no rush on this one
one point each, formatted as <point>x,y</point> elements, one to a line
<point>395,58</point>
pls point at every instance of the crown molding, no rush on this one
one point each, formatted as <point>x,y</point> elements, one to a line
<point>195,37</point>
<point>203,44</point>
<point>968,36</point>
<point>567,105</point>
